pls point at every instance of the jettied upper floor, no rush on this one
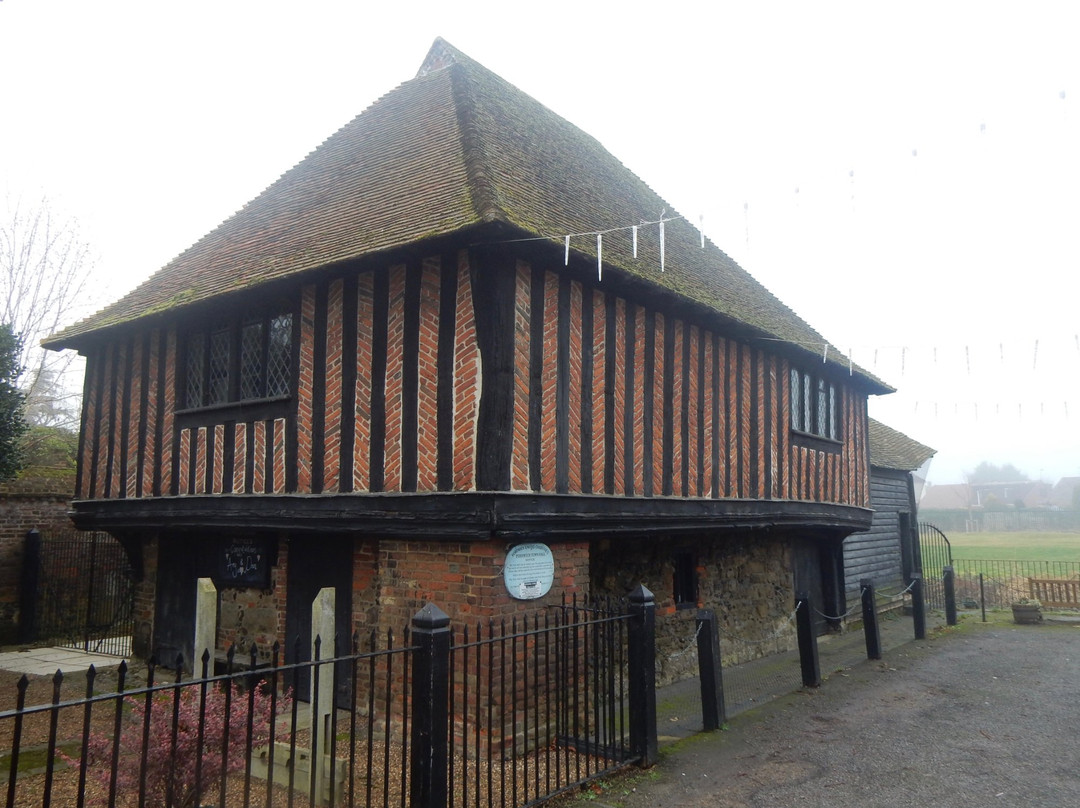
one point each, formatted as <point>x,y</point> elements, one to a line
<point>461,315</point>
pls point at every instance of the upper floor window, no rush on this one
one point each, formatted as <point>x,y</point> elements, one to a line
<point>814,405</point>
<point>243,361</point>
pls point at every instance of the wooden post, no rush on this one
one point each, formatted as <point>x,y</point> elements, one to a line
<point>918,606</point>
<point>808,650</point>
<point>869,618</point>
<point>713,708</point>
<point>949,582</point>
<point>641,655</point>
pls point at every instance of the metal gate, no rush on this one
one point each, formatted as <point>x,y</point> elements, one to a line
<point>936,554</point>
<point>85,592</point>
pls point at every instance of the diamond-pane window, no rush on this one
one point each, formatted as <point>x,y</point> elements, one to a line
<point>196,348</point>
<point>246,360</point>
<point>217,379</point>
<point>814,405</point>
<point>251,360</point>
<point>279,356</point>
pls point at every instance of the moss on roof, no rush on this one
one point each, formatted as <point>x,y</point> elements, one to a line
<point>894,450</point>
<point>455,147</point>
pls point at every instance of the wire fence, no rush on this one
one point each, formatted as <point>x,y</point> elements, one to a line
<point>996,584</point>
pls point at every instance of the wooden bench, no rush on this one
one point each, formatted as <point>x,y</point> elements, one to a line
<point>1055,592</point>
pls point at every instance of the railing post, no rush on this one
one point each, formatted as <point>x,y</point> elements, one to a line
<point>430,701</point>
<point>808,650</point>
<point>869,619</point>
<point>949,581</point>
<point>641,657</point>
<point>28,587</point>
<point>713,708</point>
<point>918,606</point>
<point>982,596</point>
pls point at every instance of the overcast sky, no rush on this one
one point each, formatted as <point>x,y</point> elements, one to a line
<point>905,176</point>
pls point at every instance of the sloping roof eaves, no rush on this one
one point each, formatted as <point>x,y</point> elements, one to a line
<point>455,147</point>
<point>890,449</point>
<point>391,176</point>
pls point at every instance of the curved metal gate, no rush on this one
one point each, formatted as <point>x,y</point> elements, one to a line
<point>85,592</point>
<point>936,554</point>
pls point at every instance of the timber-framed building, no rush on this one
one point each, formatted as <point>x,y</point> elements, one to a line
<point>391,366</point>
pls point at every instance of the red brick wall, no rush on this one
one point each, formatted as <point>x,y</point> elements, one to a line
<point>466,382</point>
<point>25,505</point>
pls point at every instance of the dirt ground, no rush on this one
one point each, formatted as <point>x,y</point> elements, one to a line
<point>978,715</point>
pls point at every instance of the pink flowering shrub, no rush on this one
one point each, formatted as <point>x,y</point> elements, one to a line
<point>171,771</point>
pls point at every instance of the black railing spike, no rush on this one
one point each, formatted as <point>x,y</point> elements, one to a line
<point>318,647</point>
<point>373,640</point>
<point>356,641</point>
<point>179,663</point>
<point>254,655</point>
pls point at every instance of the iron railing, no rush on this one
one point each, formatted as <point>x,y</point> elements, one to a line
<point>505,715</point>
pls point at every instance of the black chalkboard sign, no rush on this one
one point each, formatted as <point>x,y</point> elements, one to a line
<point>245,562</point>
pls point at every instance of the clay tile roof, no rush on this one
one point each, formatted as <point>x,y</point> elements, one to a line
<point>455,147</point>
<point>890,449</point>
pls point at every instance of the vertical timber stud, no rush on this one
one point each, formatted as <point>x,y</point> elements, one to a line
<point>641,655</point>
<point>430,698</point>
<point>918,606</point>
<point>28,587</point>
<point>493,301</point>
<point>713,709</point>
<point>949,581</point>
<point>869,619</point>
<point>808,650</point>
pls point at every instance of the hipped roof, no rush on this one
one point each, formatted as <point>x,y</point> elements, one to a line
<point>454,148</point>
<point>894,450</point>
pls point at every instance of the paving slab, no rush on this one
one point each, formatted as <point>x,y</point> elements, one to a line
<point>47,661</point>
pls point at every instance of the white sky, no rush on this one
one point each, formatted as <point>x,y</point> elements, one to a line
<point>904,175</point>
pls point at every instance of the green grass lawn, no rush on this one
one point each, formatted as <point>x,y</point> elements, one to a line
<point>1020,546</point>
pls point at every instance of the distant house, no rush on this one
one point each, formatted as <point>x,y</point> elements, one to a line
<point>1066,494</point>
<point>888,552</point>
<point>402,360</point>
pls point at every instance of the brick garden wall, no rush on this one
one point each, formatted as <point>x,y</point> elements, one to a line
<point>26,504</point>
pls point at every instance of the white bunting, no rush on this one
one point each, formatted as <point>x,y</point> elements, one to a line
<point>661,243</point>
<point>566,259</point>
<point>599,257</point>
<point>633,229</point>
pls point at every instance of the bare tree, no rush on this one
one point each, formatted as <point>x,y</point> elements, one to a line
<point>45,268</point>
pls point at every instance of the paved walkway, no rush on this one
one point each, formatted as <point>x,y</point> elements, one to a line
<point>46,661</point>
<point>678,706</point>
<point>981,714</point>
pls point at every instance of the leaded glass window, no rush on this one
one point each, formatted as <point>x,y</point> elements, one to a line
<point>814,407</point>
<point>246,361</point>
<point>196,358</point>
<point>217,376</point>
<point>251,349</point>
<point>279,356</point>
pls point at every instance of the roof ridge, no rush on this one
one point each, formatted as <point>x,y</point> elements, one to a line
<point>482,189</point>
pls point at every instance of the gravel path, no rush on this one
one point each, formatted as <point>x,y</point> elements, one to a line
<point>979,715</point>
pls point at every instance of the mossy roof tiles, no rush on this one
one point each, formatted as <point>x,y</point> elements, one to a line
<point>894,450</point>
<point>455,147</point>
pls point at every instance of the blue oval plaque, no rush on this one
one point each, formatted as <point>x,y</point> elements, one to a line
<point>529,571</point>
